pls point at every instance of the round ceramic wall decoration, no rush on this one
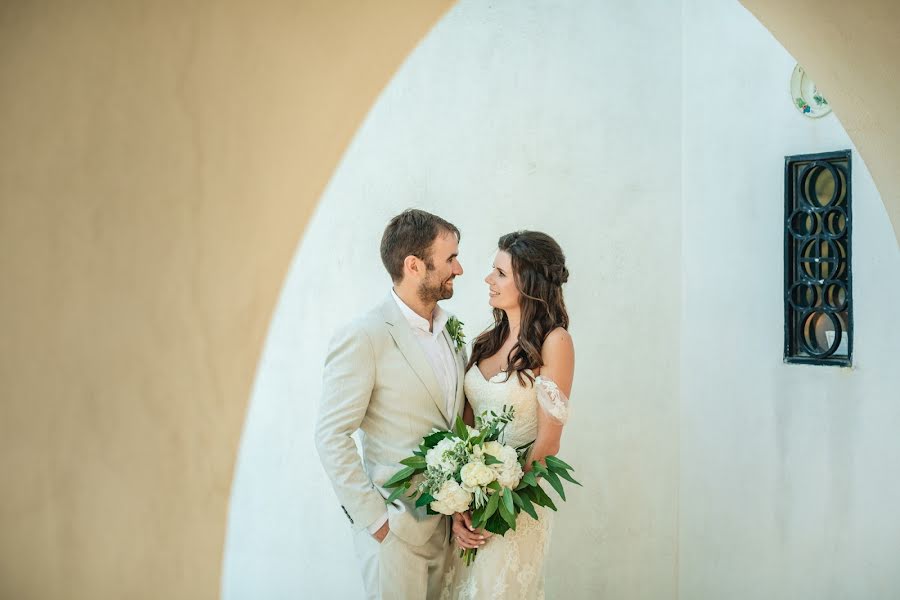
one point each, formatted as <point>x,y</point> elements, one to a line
<point>806,97</point>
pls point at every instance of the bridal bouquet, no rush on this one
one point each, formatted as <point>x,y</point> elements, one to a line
<point>470,468</point>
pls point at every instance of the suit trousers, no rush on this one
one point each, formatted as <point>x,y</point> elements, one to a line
<point>395,570</point>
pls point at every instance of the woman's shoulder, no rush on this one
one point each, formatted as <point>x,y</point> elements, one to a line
<point>558,339</point>
<point>558,346</point>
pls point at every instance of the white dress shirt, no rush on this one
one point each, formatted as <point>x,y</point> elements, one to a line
<point>439,354</point>
<point>435,346</point>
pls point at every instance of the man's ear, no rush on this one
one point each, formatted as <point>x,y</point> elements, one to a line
<point>411,264</point>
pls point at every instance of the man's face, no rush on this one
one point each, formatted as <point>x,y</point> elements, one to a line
<point>442,269</point>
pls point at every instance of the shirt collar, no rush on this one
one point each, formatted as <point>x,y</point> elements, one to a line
<point>416,321</point>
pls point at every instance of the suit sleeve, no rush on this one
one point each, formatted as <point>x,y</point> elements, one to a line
<point>348,381</point>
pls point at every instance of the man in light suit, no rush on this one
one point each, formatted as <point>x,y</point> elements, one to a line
<point>395,375</point>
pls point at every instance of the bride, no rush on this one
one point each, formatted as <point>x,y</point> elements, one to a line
<point>526,360</point>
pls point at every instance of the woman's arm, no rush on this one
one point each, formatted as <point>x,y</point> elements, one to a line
<point>468,413</point>
<point>558,354</point>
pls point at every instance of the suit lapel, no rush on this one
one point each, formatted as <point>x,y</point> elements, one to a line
<point>413,353</point>
<point>459,359</point>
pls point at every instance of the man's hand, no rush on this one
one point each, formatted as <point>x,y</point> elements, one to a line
<point>382,533</point>
<point>465,535</point>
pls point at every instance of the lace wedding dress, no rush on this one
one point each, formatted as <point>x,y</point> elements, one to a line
<point>509,566</point>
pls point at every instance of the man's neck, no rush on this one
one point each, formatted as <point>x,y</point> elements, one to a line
<point>412,300</point>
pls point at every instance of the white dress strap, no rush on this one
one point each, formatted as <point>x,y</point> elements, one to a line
<point>551,399</point>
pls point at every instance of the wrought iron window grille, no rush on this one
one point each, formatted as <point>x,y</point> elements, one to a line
<point>818,298</point>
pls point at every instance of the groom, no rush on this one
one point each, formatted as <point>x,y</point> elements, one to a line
<point>395,374</point>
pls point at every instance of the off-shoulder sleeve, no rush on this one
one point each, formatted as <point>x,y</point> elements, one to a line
<point>551,399</point>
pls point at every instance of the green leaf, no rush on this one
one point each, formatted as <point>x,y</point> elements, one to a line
<point>431,440</point>
<point>506,512</point>
<point>507,500</point>
<point>460,428</point>
<point>416,462</point>
<point>399,477</point>
<point>396,493</point>
<point>424,500</point>
<point>541,498</point>
<point>539,468</point>
<point>494,485</point>
<point>497,524</point>
<point>491,460</point>
<point>553,478</point>
<point>565,475</point>
<point>527,506</point>
<point>488,511</point>
<point>529,478</point>
<point>554,462</point>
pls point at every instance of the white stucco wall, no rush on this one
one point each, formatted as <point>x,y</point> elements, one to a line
<point>788,486</point>
<point>509,115</point>
<point>649,139</point>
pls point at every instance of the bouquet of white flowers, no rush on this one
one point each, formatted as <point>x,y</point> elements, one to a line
<point>470,468</point>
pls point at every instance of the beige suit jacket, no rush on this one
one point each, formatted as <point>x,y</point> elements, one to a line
<point>377,380</point>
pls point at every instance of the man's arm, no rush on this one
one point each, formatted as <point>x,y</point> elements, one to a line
<point>346,390</point>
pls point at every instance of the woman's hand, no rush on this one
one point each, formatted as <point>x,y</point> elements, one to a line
<point>466,536</point>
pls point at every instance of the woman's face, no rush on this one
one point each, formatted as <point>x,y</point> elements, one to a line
<point>503,291</point>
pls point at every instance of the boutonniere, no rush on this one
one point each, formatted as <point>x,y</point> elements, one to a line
<point>455,329</point>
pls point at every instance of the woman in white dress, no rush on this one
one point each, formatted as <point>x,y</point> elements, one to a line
<point>525,359</point>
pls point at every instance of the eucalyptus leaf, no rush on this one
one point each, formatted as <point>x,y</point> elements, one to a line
<point>508,515</point>
<point>527,506</point>
<point>565,475</point>
<point>399,477</point>
<point>424,500</point>
<point>396,494</point>
<point>541,497</point>
<point>491,460</point>
<point>553,461</point>
<point>416,462</point>
<point>497,524</point>
<point>507,500</point>
<point>462,432</point>
<point>488,511</point>
<point>554,481</point>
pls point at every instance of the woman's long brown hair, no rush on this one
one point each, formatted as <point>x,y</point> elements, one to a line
<point>539,270</point>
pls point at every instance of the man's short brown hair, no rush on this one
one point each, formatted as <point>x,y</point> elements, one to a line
<point>412,232</point>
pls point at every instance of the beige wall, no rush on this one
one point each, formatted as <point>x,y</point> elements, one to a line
<point>159,163</point>
<point>850,50</point>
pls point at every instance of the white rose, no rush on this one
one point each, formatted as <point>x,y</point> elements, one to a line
<point>451,498</point>
<point>477,454</point>
<point>509,456</point>
<point>508,471</point>
<point>510,476</point>
<point>494,449</point>
<point>476,474</point>
<point>505,454</point>
<point>436,458</point>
